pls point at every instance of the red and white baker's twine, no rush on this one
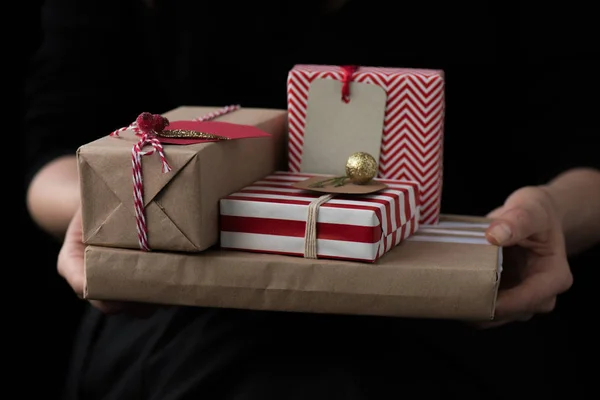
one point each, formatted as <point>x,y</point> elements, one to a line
<point>150,138</point>
<point>138,188</point>
<point>218,113</point>
<point>133,126</point>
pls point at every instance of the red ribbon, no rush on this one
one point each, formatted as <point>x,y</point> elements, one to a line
<point>347,73</point>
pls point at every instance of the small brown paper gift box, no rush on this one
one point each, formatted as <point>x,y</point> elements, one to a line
<point>181,206</point>
<point>445,271</point>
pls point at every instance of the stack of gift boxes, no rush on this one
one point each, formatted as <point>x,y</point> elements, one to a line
<point>212,207</point>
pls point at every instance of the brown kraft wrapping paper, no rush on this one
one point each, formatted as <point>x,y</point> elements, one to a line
<point>447,271</point>
<point>181,205</point>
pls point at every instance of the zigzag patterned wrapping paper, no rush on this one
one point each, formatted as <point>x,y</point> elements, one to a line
<point>412,143</point>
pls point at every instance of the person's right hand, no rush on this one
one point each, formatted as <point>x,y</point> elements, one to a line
<point>71,267</point>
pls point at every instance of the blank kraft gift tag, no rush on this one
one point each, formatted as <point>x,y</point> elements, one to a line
<point>335,129</point>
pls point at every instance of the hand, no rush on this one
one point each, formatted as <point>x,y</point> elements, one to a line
<point>71,268</point>
<point>535,269</point>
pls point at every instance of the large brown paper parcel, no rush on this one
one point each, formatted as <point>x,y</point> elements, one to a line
<point>182,205</point>
<point>446,271</point>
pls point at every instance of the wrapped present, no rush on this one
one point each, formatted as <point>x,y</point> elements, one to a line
<point>160,189</point>
<point>395,114</point>
<point>271,216</point>
<point>444,271</point>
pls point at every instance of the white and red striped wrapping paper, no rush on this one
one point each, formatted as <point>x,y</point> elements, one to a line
<point>413,129</point>
<point>270,217</point>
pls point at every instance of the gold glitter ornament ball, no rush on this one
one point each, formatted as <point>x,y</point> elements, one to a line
<point>361,168</point>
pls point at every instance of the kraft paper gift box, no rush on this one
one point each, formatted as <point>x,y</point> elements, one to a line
<point>270,216</point>
<point>394,114</point>
<point>182,205</point>
<point>446,271</point>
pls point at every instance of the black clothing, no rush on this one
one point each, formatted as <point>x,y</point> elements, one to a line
<point>521,104</point>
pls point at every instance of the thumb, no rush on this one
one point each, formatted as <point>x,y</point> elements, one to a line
<point>517,222</point>
<point>70,267</point>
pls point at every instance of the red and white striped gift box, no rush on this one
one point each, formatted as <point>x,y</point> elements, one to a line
<point>270,217</point>
<point>411,147</point>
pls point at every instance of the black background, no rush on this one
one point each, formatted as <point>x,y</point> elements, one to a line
<point>41,312</point>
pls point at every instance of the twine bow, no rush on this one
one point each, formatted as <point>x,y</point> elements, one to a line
<point>146,126</point>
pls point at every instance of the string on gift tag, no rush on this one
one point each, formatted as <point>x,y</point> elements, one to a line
<point>147,126</point>
<point>133,126</point>
<point>347,74</point>
<point>218,113</point>
<point>310,232</point>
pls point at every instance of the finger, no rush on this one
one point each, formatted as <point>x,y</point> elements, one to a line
<point>524,318</point>
<point>71,269</point>
<point>547,306</point>
<point>495,212</point>
<point>70,261</point>
<point>502,322</point>
<point>490,324</point>
<point>107,307</point>
<point>534,294</point>
<point>523,215</point>
<point>523,298</point>
<point>137,310</point>
<point>516,224</point>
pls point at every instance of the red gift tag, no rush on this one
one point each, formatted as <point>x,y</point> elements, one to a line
<point>190,132</point>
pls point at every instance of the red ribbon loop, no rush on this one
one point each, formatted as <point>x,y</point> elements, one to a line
<point>347,73</point>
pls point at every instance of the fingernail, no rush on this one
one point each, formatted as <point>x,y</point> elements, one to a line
<point>501,233</point>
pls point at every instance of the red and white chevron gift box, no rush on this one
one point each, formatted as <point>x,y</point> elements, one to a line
<point>270,216</point>
<point>413,126</point>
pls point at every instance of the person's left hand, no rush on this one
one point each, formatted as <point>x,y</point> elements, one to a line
<point>535,267</point>
<point>70,266</point>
